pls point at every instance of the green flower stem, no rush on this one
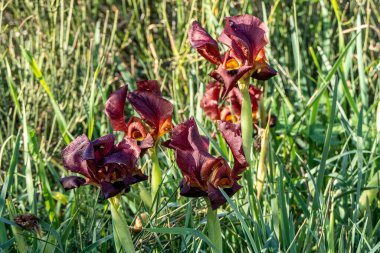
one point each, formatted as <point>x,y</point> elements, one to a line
<point>213,226</point>
<point>156,173</point>
<point>121,234</point>
<point>246,119</point>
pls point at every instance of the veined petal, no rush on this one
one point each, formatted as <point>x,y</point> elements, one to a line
<point>204,43</point>
<point>249,32</point>
<point>72,156</point>
<point>190,165</point>
<point>72,182</point>
<point>232,135</point>
<point>235,50</point>
<point>180,137</point>
<point>216,170</point>
<point>154,110</point>
<point>115,109</point>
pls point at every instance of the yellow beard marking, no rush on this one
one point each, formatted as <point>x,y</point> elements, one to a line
<point>232,64</point>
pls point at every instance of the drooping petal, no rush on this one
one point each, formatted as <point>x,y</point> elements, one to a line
<point>72,182</point>
<point>216,197</point>
<point>204,43</point>
<point>115,109</point>
<point>249,32</point>
<point>210,100</point>
<point>154,110</point>
<point>216,171</point>
<point>264,71</point>
<point>149,85</point>
<point>232,135</point>
<point>190,166</point>
<point>110,190</point>
<point>190,191</point>
<point>73,156</point>
<point>197,142</point>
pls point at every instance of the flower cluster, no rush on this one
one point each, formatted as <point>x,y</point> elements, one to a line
<point>245,37</point>
<point>110,166</point>
<point>113,167</point>
<point>148,102</point>
<point>229,109</point>
<point>202,172</point>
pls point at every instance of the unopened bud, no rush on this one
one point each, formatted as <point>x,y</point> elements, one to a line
<point>141,220</point>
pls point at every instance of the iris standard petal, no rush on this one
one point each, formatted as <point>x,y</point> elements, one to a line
<point>115,109</point>
<point>204,43</point>
<point>249,32</point>
<point>180,136</point>
<point>154,110</point>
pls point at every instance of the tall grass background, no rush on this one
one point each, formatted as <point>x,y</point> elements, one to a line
<point>59,61</point>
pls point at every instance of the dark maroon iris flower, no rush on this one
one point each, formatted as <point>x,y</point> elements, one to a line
<point>203,173</point>
<point>153,109</point>
<point>245,37</point>
<point>102,163</point>
<point>229,109</point>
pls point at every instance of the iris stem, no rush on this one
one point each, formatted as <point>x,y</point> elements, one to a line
<point>213,227</point>
<point>156,173</point>
<point>246,119</point>
<point>121,234</point>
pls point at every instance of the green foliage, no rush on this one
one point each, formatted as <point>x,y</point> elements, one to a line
<point>60,60</point>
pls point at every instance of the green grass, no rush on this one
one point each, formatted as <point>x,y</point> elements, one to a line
<point>60,60</point>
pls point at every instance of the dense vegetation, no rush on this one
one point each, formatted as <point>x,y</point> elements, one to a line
<point>60,61</point>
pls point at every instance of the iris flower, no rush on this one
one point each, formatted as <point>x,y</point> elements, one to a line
<point>102,163</point>
<point>147,101</point>
<point>228,109</point>
<point>245,38</point>
<point>202,172</point>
